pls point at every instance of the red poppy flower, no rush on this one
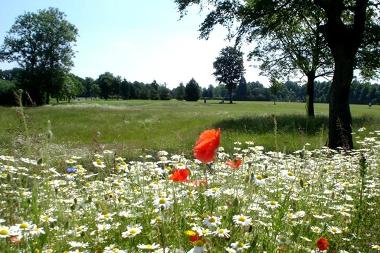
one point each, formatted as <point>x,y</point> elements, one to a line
<point>180,175</point>
<point>323,244</point>
<point>234,164</point>
<point>206,145</point>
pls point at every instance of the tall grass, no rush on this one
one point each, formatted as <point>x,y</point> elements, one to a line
<point>132,127</point>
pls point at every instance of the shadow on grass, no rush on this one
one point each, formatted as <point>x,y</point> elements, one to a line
<point>285,124</point>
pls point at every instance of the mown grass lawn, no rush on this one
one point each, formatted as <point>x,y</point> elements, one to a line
<point>132,126</point>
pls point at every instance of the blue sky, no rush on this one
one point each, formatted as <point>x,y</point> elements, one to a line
<point>139,40</point>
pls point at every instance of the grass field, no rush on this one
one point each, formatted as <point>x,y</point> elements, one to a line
<point>130,127</point>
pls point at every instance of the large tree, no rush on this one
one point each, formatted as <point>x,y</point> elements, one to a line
<point>42,44</point>
<point>179,92</point>
<point>229,67</point>
<point>192,90</point>
<point>106,83</point>
<point>296,47</point>
<point>350,28</point>
<point>275,88</point>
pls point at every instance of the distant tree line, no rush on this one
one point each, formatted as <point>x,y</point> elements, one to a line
<point>106,86</point>
<point>360,93</point>
<point>109,86</point>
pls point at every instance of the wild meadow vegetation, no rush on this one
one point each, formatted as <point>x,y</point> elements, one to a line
<point>173,176</point>
<point>121,176</point>
<point>135,127</point>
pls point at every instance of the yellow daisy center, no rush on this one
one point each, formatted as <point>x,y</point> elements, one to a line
<point>4,231</point>
<point>24,225</point>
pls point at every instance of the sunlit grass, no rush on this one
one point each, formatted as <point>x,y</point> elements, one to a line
<point>134,126</point>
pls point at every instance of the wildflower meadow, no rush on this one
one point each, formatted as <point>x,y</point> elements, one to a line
<point>248,200</point>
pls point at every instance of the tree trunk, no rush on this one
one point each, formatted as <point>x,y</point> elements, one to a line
<point>230,94</point>
<point>339,108</point>
<point>310,94</point>
<point>344,41</point>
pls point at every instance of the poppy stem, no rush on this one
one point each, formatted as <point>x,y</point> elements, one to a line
<point>205,174</point>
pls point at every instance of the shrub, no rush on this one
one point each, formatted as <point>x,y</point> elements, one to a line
<point>7,89</point>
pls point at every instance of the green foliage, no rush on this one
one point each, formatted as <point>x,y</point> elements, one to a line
<point>90,88</point>
<point>153,91</point>
<point>179,92</point>
<point>7,90</point>
<point>351,29</point>
<point>72,87</point>
<point>192,91</point>
<point>229,68</point>
<point>275,88</point>
<point>164,92</point>
<point>41,43</point>
<point>105,82</point>
<point>242,90</point>
<point>210,91</point>
<point>125,89</point>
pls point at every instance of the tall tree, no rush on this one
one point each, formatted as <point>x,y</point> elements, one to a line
<point>153,88</point>
<point>275,88</point>
<point>164,92</point>
<point>229,67</point>
<point>350,28</point>
<point>210,91</point>
<point>242,90</point>
<point>192,91</point>
<point>296,47</point>
<point>42,44</point>
<point>125,89</point>
<point>179,92</point>
<point>91,89</point>
<point>105,82</point>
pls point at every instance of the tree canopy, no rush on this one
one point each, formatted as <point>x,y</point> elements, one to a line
<point>349,28</point>
<point>192,90</point>
<point>42,44</point>
<point>229,68</point>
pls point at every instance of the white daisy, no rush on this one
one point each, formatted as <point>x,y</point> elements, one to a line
<point>259,180</point>
<point>212,221</point>
<point>242,220</point>
<point>4,232</point>
<point>36,231</point>
<point>272,204</point>
<point>99,164</point>
<point>153,246</point>
<point>113,249</point>
<point>132,231</point>
<point>222,233</point>
<point>240,246</point>
<point>288,175</point>
<point>162,202</point>
<point>334,230</point>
